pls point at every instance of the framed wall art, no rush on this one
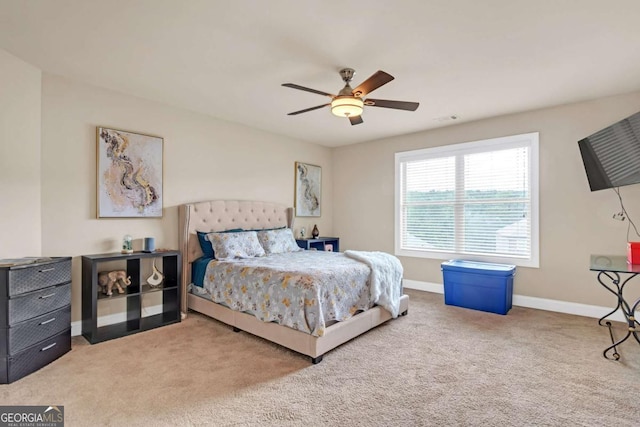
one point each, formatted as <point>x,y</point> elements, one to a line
<point>129,170</point>
<point>308,189</point>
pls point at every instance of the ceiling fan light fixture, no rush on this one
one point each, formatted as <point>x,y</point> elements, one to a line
<point>349,102</point>
<point>347,106</point>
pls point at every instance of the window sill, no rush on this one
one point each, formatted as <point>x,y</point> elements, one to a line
<point>520,262</point>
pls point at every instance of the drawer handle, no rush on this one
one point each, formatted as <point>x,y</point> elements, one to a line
<point>50,346</point>
<point>45,270</point>
<point>47,296</point>
<point>47,321</point>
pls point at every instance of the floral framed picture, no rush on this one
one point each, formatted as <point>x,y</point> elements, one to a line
<point>308,189</point>
<point>129,169</point>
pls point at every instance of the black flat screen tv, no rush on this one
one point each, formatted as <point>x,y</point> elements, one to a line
<point>611,156</point>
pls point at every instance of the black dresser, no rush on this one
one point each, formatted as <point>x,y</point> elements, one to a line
<point>35,315</point>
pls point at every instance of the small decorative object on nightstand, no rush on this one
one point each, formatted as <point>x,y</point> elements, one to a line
<point>302,233</point>
<point>315,233</point>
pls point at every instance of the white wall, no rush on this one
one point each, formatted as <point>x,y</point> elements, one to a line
<point>20,228</point>
<point>204,159</point>
<point>574,222</point>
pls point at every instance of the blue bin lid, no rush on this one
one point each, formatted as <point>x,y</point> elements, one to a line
<point>480,267</point>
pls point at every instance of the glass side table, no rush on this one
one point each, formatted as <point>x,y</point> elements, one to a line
<point>614,273</point>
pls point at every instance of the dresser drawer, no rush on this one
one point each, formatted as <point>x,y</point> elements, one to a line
<point>29,332</point>
<point>37,303</point>
<point>39,276</point>
<point>35,357</point>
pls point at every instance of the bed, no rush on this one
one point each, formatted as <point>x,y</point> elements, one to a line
<point>225,215</point>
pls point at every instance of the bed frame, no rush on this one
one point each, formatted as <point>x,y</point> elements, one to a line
<point>220,215</point>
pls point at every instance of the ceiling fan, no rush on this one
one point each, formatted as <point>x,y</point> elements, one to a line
<point>349,102</point>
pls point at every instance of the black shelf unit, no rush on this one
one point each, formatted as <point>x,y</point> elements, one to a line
<point>134,294</point>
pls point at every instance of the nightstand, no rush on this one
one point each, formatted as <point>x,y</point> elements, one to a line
<point>320,244</point>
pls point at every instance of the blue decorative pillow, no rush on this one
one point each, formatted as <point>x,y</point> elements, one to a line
<point>198,270</point>
<point>205,245</point>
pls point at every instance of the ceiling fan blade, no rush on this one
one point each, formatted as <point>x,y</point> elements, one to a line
<point>397,105</point>
<point>378,79</point>
<point>355,120</point>
<point>306,89</point>
<point>307,109</point>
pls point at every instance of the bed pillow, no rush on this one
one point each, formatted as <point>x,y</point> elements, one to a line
<point>199,269</point>
<point>278,241</point>
<point>243,244</point>
<point>205,245</point>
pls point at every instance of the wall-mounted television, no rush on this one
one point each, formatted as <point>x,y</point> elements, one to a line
<point>611,156</point>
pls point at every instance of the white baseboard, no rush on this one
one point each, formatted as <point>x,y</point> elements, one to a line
<point>436,288</point>
<point>533,302</point>
<point>76,327</point>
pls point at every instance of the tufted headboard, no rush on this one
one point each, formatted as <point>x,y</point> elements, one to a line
<point>221,215</point>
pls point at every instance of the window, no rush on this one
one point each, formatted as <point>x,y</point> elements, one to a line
<point>477,201</point>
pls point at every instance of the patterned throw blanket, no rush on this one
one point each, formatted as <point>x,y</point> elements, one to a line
<point>385,279</point>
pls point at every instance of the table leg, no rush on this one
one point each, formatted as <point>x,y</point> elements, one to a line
<point>628,312</point>
<point>634,325</point>
<point>616,281</point>
<point>616,355</point>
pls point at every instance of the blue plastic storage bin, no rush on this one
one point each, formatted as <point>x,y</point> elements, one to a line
<point>478,285</point>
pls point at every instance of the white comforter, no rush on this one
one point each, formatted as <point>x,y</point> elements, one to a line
<point>385,279</point>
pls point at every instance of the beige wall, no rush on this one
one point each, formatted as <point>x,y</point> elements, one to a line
<point>204,159</point>
<point>48,207</point>
<point>574,222</point>
<point>20,85</point>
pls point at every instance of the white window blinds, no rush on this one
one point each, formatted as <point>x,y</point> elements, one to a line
<point>475,200</point>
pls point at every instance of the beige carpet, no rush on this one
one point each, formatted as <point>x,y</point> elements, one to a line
<point>440,365</point>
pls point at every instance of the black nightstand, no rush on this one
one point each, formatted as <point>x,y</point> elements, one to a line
<point>320,243</point>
